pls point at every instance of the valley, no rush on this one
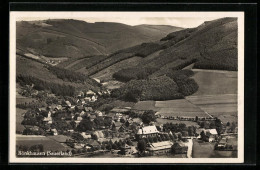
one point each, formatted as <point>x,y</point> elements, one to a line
<point>107,89</point>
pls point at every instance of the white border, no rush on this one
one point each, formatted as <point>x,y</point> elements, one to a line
<point>12,88</point>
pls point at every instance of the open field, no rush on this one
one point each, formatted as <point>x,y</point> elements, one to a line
<point>107,73</point>
<point>206,150</point>
<point>48,144</point>
<point>180,107</point>
<point>215,82</point>
<point>113,84</point>
<point>222,106</point>
<point>19,119</point>
<point>146,105</point>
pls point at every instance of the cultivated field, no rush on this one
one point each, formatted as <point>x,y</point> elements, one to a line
<point>222,106</point>
<point>215,82</point>
<point>48,144</point>
<point>180,107</point>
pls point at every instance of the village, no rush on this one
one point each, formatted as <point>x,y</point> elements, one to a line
<point>119,131</point>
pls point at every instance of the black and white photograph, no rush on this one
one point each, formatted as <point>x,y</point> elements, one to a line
<point>126,87</point>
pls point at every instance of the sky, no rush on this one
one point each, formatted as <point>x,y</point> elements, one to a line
<point>184,22</point>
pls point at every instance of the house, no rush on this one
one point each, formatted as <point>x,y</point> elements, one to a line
<point>128,150</point>
<point>97,80</point>
<point>92,117</point>
<point>90,93</point>
<point>94,144</point>
<point>68,103</point>
<point>82,113</point>
<point>79,108</point>
<point>93,98</point>
<point>79,118</point>
<point>87,99</point>
<point>98,113</point>
<point>159,148</point>
<point>48,119</point>
<point>179,148</point>
<point>147,131</point>
<point>211,134</point>
<point>88,109</point>
<point>54,132</point>
<point>86,135</point>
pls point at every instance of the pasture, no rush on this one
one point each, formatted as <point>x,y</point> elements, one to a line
<point>48,144</point>
<point>215,82</point>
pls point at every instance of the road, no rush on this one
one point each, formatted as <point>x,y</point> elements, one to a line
<point>189,152</point>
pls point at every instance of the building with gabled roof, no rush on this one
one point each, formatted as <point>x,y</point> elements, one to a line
<point>160,147</point>
<point>147,131</point>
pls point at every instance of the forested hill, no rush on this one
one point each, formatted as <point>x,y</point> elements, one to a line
<point>212,45</point>
<point>75,38</point>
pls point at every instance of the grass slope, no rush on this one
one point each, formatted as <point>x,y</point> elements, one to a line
<point>75,38</point>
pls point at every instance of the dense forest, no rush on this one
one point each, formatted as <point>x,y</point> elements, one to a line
<point>58,89</point>
<point>176,84</point>
<point>160,88</point>
<point>68,75</point>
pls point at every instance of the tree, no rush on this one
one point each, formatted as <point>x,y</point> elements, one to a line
<point>141,145</point>
<point>203,135</point>
<point>77,136</point>
<point>150,139</point>
<point>228,123</point>
<point>179,136</point>
<point>148,116</point>
<point>122,120</point>
<point>155,139</point>
<point>109,146</point>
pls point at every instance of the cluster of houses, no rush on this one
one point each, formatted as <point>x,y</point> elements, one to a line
<point>122,127</point>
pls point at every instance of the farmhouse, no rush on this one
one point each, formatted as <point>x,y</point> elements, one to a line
<point>160,147</point>
<point>128,150</point>
<point>86,135</point>
<point>147,131</point>
<point>211,134</point>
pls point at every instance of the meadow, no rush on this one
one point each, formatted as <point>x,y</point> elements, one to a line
<point>48,144</point>
<point>206,150</point>
<point>215,82</point>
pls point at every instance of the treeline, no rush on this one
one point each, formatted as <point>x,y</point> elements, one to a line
<point>137,73</point>
<point>179,35</point>
<point>219,60</point>
<point>160,88</point>
<point>68,75</point>
<point>217,65</point>
<point>58,89</point>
